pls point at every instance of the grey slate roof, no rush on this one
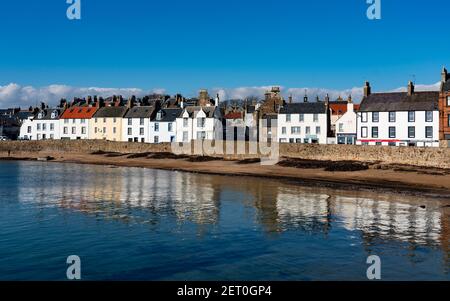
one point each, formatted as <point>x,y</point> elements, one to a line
<point>140,112</point>
<point>304,108</point>
<point>209,111</point>
<point>47,114</point>
<point>168,115</point>
<point>111,112</point>
<point>400,101</point>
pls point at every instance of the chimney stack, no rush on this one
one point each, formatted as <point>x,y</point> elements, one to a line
<point>217,100</point>
<point>410,88</point>
<point>367,89</point>
<point>444,75</point>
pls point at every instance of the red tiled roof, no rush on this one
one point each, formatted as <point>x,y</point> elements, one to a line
<point>338,108</point>
<point>79,113</point>
<point>233,115</point>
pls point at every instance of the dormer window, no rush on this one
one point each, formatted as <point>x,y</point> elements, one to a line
<point>40,115</point>
<point>54,115</point>
<point>159,115</point>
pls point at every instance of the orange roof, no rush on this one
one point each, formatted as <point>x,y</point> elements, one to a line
<point>233,115</point>
<point>338,108</point>
<point>79,113</point>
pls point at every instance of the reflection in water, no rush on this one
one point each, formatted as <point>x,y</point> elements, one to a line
<point>134,195</point>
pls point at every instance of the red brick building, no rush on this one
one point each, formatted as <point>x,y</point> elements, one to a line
<point>444,107</point>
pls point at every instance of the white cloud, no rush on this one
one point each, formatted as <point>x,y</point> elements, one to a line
<point>15,95</point>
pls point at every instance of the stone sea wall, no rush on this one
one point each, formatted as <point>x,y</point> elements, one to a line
<point>429,157</point>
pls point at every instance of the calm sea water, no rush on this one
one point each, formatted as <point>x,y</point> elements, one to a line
<point>142,224</point>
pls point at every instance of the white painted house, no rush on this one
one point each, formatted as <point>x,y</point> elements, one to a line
<point>27,130</point>
<point>199,123</point>
<point>74,122</point>
<point>305,122</point>
<point>136,124</point>
<point>399,119</point>
<point>163,125</point>
<point>346,126</point>
<point>44,125</point>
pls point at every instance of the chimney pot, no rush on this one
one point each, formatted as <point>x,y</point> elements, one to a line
<point>410,88</point>
<point>367,89</point>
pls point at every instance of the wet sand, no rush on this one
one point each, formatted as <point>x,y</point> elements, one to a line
<point>408,180</point>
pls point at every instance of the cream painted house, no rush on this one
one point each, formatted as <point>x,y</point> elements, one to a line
<point>107,124</point>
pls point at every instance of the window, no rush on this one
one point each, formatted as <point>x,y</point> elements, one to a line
<point>392,132</point>
<point>308,130</point>
<point>392,116</point>
<point>114,120</point>
<point>374,132</point>
<point>83,121</point>
<point>141,121</point>
<point>114,130</point>
<point>130,139</point>
<point>428,116</point>
<point>156,127</point>
<point>44,126</point>
<point>375,116</point>
<point>291,140</point>
<point>364,132</point>
<point>66,121</point>
<point>130,131</point>
<point>448,101</point>
<point>95,130</point>
<point>201,122</point>
<point>301,118</point>
<point>104,130</point>
<point>156,139</point>
<point>74,130</point>
<point>201,135</point>
<point>411,132</point>
<point>448,119</point>
<point>170,126</point>
<point>185,122</point>
<point>83,130</point>
<point>52,136</point>
<point>283,130</point>
<point>104,120</point>
<point>38,126</point>
<point>317,130</point>
<point>295,130</point>
<point>141,131</point>
<point>185,136</point>
<point>96,120</point>
<point>52,126</point>
<point>29,130</point>
<point>38,136</point>
<point>73,121</point>
<point>315,117</point>
<point>65,130</point>
<point>364,117</point>
<point>429,132</point>
<point>341,127</point>
<point>130,121</point>
<point>411,116</point>
<point>288,117</point>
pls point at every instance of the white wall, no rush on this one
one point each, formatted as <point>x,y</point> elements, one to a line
<point>139,131</point>
<point>74,128</point>
<point>163,133</point>
<point>401,124</point>
<point>308,122</point>
<point>28,130</point>
<point>346,125</point>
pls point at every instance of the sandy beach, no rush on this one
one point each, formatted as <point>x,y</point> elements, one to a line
<point>409,180</point>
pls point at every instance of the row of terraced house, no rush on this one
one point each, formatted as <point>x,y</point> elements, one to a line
<point>411,118</point>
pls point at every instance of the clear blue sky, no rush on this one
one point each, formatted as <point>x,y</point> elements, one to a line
<point>183,45</point>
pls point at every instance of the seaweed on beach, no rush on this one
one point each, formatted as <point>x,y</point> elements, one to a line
<point>203,159</point>
<point>138,155</point>
<point>326,165</point>
<point>249,161</point>
<point>166,155</point>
